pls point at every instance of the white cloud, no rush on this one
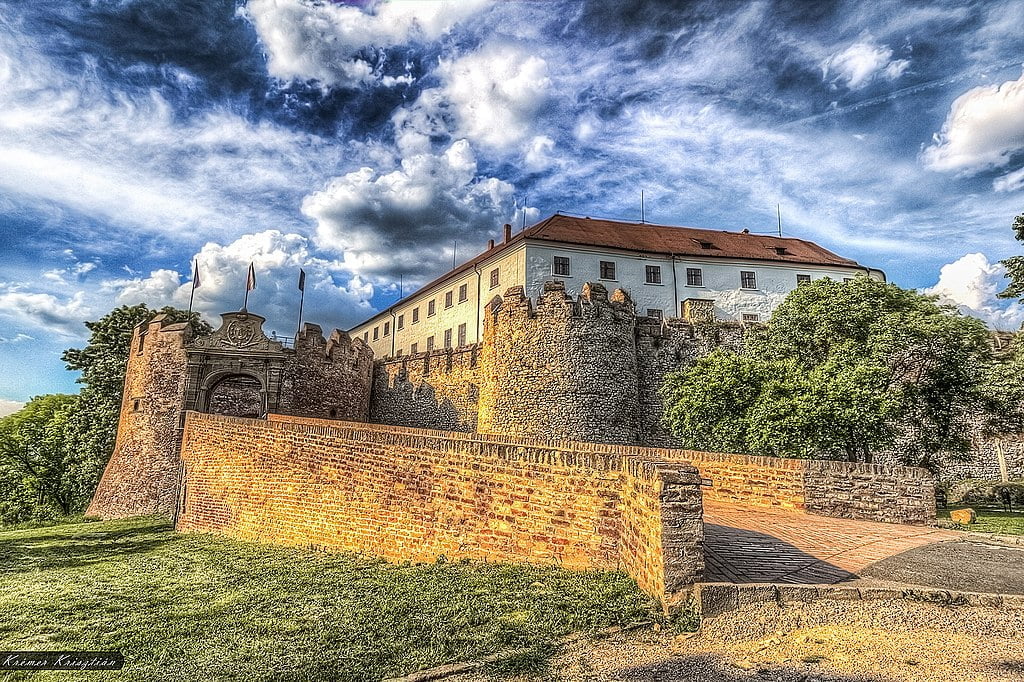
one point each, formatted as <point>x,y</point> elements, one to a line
<point>984,127</point>
<point>130,160</point>
<point>404,222</point>
<point>862,63</point>
<point>538,154</point>
<point>60,315</point>
<point>495,93</point>
<point>9,406</point>
<point>490,97</point>
<point>277,259</point>
<point>971,283</point>
<point>328,42</point>
<point>17,338</point>
<point>1011,182</point>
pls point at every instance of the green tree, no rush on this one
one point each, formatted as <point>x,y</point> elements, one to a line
<point>35,461</point>
<point>1015,265</point>
<point>842,370</point>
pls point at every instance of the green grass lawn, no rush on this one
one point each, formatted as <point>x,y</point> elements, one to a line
<point>991,520</point>
<point>201,607</point>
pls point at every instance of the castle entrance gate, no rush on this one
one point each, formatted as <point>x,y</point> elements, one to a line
<point>237,395</point>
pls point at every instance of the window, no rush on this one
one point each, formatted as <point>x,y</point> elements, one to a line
<point>387,329</point>
<point>376,333</point>
<point>415,315</point>
<point>800,279</point>
<point>781,250</point>
<point>401,322</point>
<point>560,266</point>
<point>414,349</point>
<point>653,274</point>
<point>136,404</point>
<point>398,354</point>
<point>751,317</point>
<point>694,277</point>
<point>847,279</point>
<point>366,337</point>
<point>705,245</point>
<point>431,307</point>
<point>430,343</point>
<point>748,280</point>
<point>447,338</point>
<point>654,312</point>
<point>494,278</point>
<point>463,293</point>
<point>142,341</point>
<point>607,269</point>
<point>448,302</point>
<point>462,334</point>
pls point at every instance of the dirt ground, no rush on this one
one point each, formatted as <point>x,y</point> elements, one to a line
<point>825,641</point>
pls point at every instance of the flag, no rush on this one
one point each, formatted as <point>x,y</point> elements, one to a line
<point>302,279</point>
<point>250,283</point>
<point>196,283</point>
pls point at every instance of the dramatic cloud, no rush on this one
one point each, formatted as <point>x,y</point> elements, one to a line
<point>9,406</point>
<point>405,222</point>
<point>277,259</point>
<point>333,43</point>
<point>129,159</point>
<point>1011,182</point>
<point>861,63</point>
<point>971,283</point>
<point>56,314</point>
<point>984,127</point>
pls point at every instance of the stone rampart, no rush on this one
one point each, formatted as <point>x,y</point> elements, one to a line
<point>439,389</point>
<point>414,494</point>
<point>561,368</point>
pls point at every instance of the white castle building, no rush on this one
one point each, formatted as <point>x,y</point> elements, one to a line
<point>664,269</point>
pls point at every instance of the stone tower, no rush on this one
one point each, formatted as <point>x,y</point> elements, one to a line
<point>237,370</point>
<point>565,370</point>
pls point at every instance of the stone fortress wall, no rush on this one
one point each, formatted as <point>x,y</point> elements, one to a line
<point>580,369</point>
<point>236,370</point>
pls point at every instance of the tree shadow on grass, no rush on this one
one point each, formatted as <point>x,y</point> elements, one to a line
<point>705,667</point>
<point>54,548</point>
<point>738,555</point>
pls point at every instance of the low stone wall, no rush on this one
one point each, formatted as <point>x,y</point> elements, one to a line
<point>891,494</point>
<point>413,494</point>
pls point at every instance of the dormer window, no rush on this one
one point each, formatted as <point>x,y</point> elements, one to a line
<point>705,245</point>
<point>781,250</point>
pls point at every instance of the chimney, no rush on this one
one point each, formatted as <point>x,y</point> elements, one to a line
<point>508,232</point>
<point>490,244</point>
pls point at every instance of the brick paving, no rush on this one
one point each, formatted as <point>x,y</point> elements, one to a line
<point>749,544</point>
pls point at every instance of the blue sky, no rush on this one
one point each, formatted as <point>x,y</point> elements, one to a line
<point>361,140</point>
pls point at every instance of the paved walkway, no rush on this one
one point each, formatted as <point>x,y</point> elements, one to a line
<point>764,545</point>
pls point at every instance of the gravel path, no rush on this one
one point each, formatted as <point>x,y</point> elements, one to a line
<point>826,641</point>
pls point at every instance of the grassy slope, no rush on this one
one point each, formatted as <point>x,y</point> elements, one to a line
<point>203,607</point>
<point>991,520</point>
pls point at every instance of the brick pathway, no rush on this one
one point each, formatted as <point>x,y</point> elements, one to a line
<point>764,545</point>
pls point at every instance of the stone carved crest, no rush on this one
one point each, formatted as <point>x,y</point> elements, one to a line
<point>240,334</point>
<point>242,331</point>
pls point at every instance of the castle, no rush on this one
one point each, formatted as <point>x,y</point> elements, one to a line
<point>543,442</point>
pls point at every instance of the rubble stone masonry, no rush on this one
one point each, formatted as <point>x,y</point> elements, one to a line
<point>412,494</point>
<point>439,389</point>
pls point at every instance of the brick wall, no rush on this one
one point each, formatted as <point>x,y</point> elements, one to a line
<point>435,390</point>
<point>890,494</point>
<point>412,494</point>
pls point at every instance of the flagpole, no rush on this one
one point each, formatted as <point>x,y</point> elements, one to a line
<point>192,296</point>
<point>302,299</point>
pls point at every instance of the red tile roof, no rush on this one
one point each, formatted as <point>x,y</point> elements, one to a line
<point>681,241</point>
<point>649,238</point>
